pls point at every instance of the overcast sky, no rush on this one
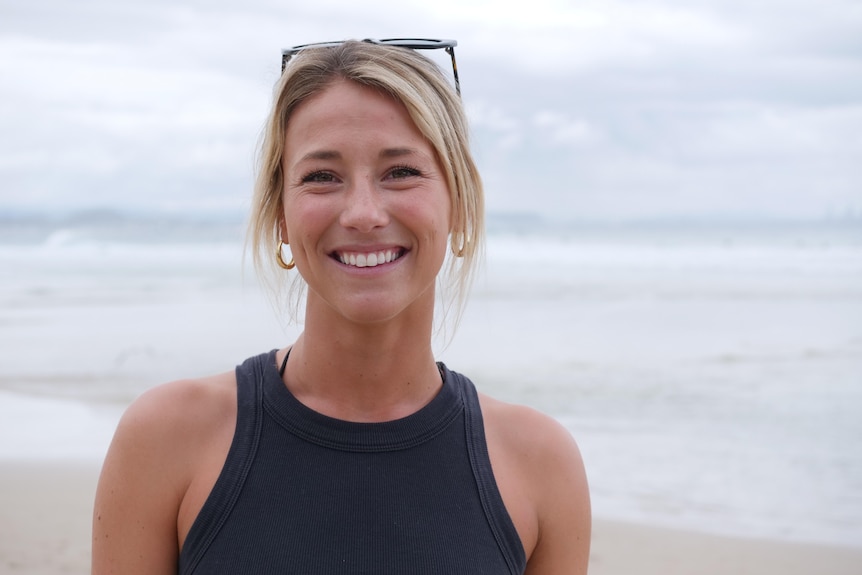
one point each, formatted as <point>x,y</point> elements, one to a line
<point>581,110</point>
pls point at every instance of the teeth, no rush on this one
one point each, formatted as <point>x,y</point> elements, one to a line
<point>369,260</point>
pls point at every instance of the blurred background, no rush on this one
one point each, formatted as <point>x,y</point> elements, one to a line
<point>612,110</point>
<point>674,263</point>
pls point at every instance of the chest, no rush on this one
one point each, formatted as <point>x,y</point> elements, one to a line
<point>310,509</point>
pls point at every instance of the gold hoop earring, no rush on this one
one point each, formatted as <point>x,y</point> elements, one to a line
<point>280,259</point>
<point>458,252</point>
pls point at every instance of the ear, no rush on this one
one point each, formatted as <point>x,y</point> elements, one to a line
<point>282,226</point>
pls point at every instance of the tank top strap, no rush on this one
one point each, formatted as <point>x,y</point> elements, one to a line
<point>217,508</point>
<point>496,513</point>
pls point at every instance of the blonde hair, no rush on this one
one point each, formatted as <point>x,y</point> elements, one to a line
<point>434,107</point>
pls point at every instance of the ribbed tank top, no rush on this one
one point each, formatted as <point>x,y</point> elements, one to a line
<point>303,493</point>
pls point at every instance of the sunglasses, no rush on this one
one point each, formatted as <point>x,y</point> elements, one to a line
<point>410,43</point>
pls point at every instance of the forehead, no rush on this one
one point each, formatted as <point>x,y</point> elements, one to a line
<point>345,105</point>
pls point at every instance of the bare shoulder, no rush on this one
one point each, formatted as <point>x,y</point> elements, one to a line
<point>527,427</point>
<point>190,406</point>
<point>166,440</point>
<point>541,476</point>
<point>535,440</point>
<point>171,422</point>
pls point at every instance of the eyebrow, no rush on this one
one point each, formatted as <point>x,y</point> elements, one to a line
<point>335,155</point>
<point>398,152</point>
<point>321,155</point>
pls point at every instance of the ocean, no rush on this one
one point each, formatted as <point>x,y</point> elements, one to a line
<point>711,374</point>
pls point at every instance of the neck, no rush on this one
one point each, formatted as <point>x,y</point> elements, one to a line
<point>369,373</point>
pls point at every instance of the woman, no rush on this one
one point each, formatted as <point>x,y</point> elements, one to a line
<point>350,450</point>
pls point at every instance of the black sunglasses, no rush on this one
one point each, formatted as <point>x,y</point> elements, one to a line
<point>411,43</point>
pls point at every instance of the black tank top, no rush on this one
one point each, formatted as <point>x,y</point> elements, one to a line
<point>303,493</point>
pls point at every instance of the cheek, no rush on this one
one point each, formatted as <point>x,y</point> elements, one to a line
<point>446,208</point>
<point>302,216</point>
<point>445,223</point>
<point>438,235</point>
<point>433,220</point>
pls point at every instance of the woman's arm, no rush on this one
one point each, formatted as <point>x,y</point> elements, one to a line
<point>162,446</point>
<point>541,476</point>
<point>562,502</point>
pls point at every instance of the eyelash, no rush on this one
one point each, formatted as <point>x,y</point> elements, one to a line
<point>411,171</point>
<point>315,176</point>
<point>312,177</point>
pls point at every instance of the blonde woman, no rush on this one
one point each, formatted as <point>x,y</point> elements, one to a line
<point>349,450</point>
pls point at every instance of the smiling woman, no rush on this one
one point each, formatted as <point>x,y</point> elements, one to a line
<point>349,450</point>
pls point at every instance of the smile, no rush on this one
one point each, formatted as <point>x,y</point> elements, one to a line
<point>369,260</point>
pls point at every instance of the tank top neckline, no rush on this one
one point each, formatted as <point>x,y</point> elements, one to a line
<point>403,433</point>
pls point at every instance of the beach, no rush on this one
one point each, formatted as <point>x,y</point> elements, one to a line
<point>712,377</point>
<point>47,507</point>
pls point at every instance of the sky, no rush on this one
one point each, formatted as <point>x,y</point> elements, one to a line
<point>595,110</point>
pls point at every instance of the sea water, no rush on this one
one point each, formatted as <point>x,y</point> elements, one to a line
<point>712,375</point>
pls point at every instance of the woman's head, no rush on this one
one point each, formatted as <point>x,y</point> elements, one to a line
<point>432,104</point>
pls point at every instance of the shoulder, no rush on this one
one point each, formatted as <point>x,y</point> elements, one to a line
<point>177,431</point>
<point>171,420</point>
<point>522,424</point>
<point>536,443</point>
<point>188,406</point>
<point>164,441</point>
<point>541,475</point>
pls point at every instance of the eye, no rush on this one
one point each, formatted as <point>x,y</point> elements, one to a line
<point>318,177</point>
<point>399,172</point>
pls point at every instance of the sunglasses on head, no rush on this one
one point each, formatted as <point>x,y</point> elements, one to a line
<point>410,43</point>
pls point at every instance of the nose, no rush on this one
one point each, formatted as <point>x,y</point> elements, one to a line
<point>365,207</point>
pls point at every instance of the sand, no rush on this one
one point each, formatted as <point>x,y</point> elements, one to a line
<point>626,549</point>
<point>45,517</point>
<point>45,514</point>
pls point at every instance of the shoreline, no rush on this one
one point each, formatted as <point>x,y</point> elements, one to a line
<point>46,511</point>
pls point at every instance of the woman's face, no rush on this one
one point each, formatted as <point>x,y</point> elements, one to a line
<point>366,205</point>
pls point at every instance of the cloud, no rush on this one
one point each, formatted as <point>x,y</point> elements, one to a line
<point>552,37</point>
<point>596,109</point>
<point>559,129</point>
